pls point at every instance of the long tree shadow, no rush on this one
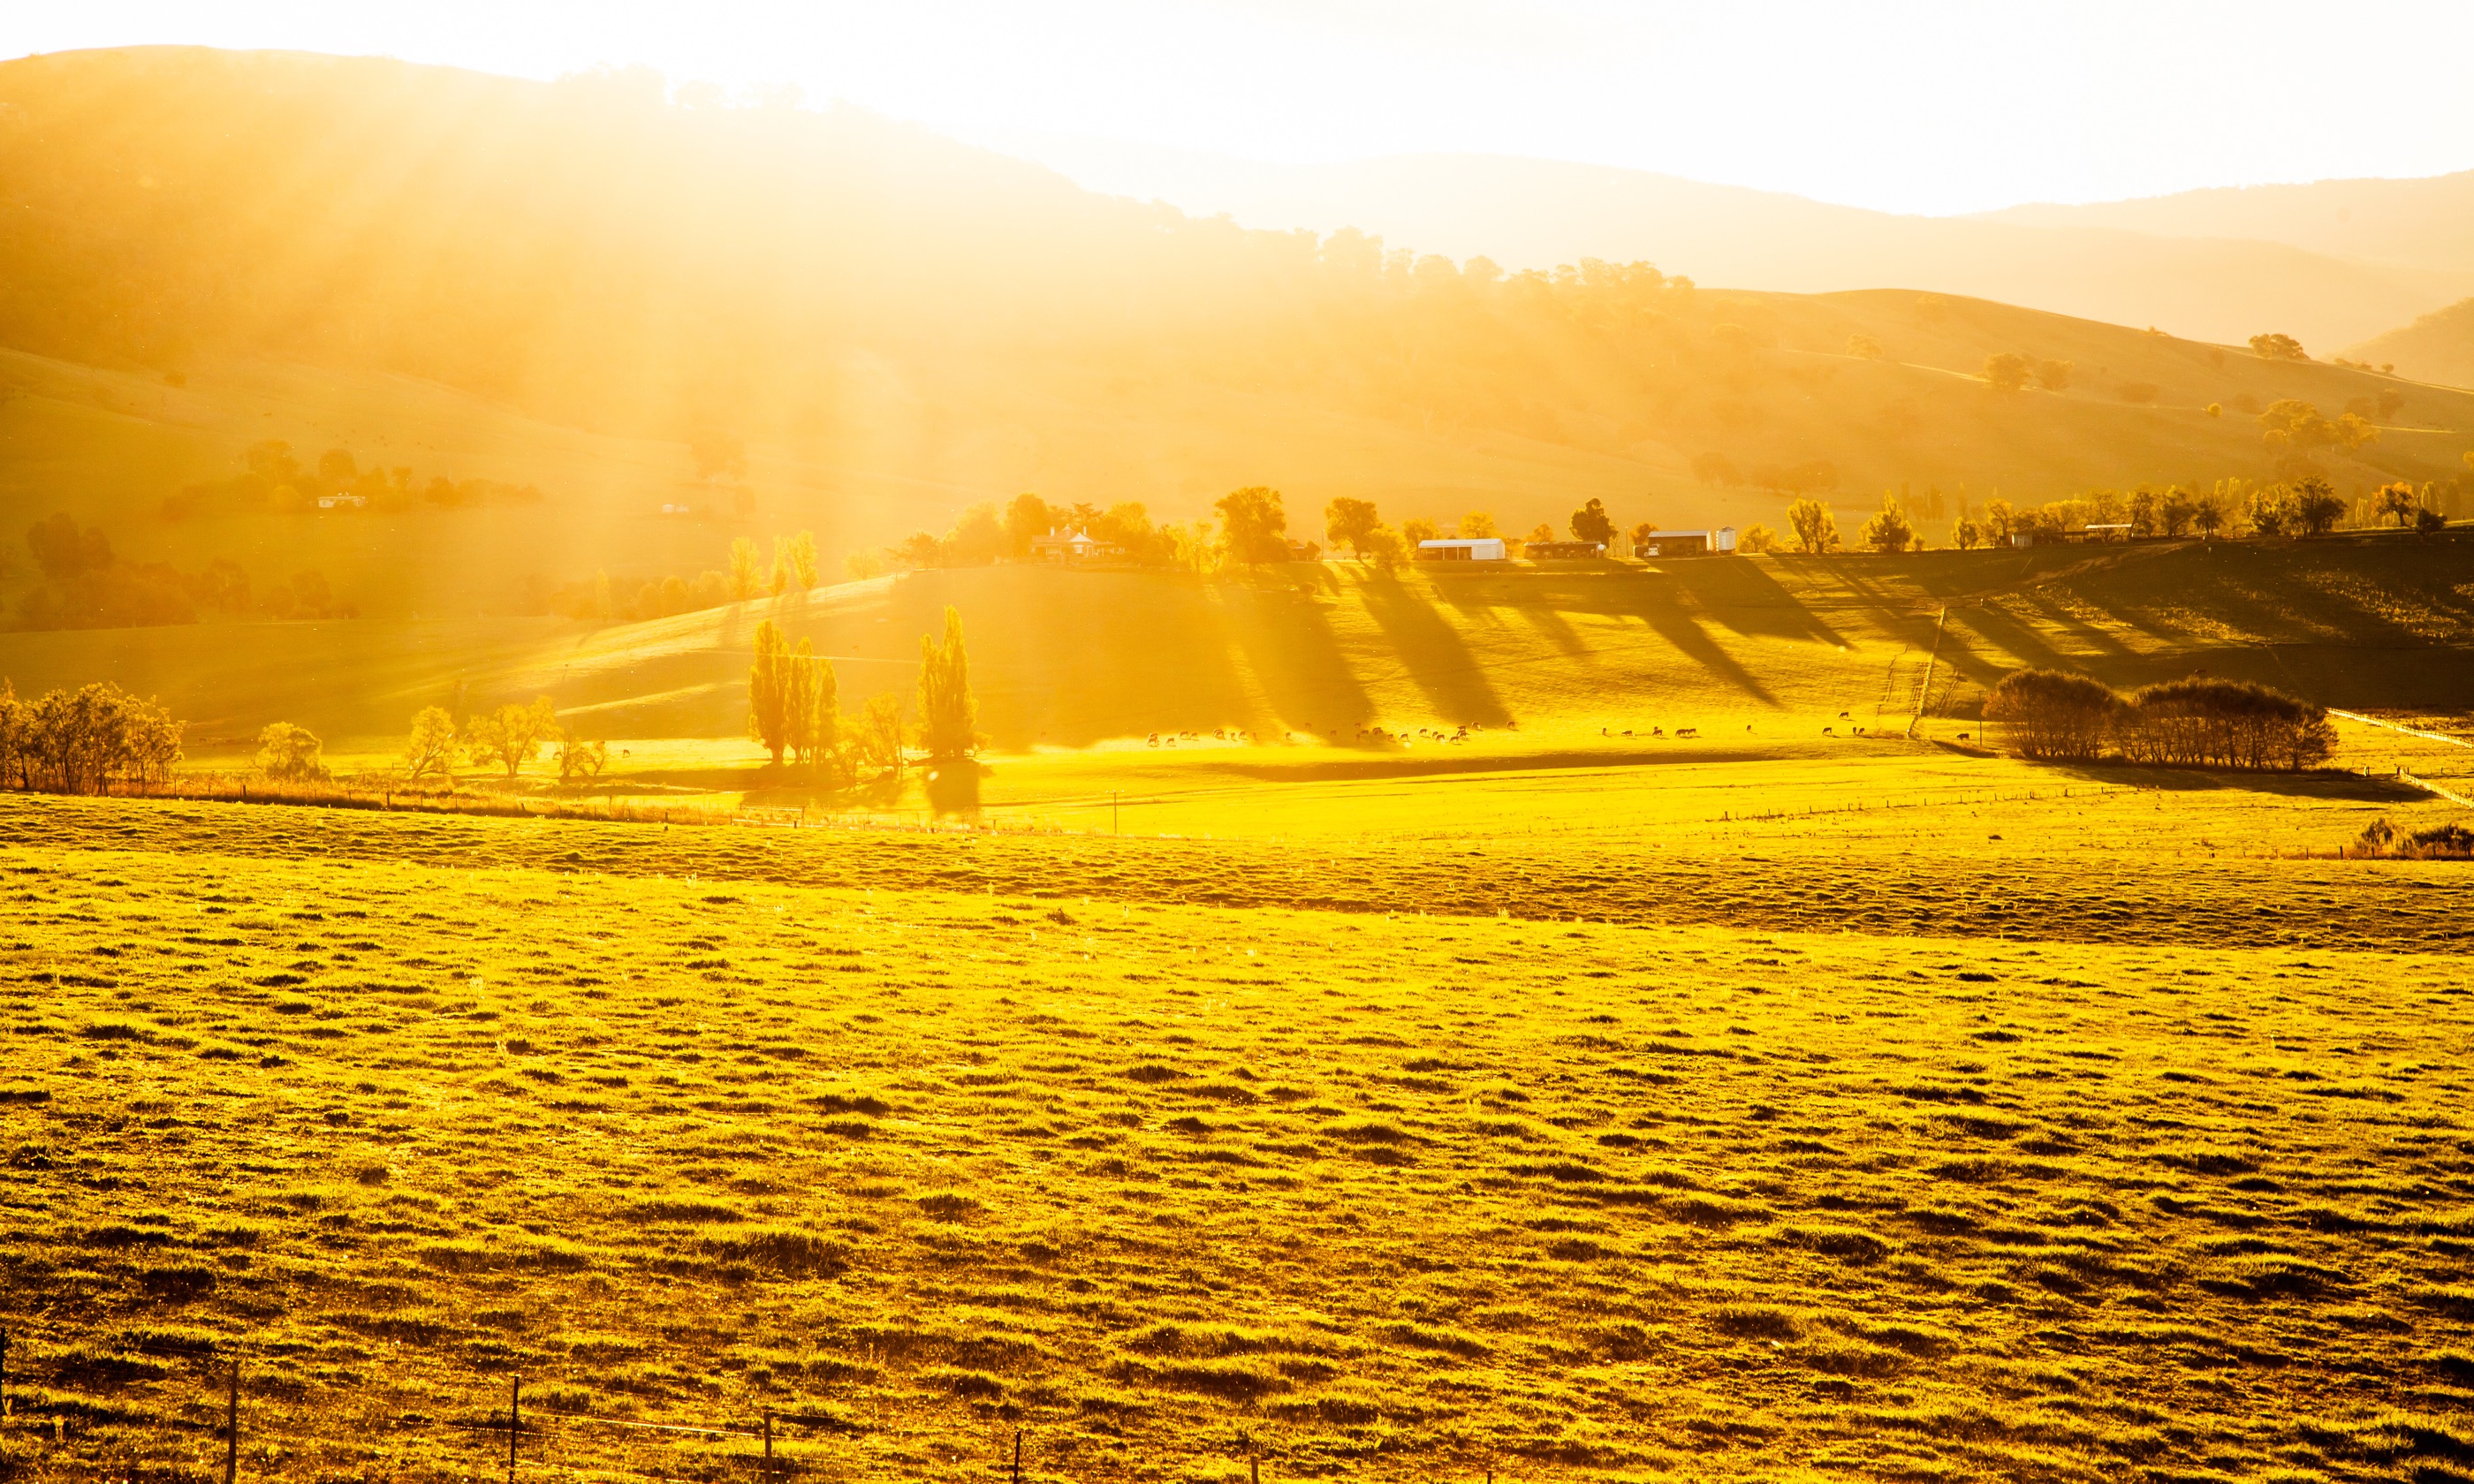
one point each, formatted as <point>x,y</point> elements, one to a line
<point>1433,652</point>
<point>1287,641</point>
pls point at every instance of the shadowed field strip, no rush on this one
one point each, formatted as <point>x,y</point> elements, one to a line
<point>1867,884</point>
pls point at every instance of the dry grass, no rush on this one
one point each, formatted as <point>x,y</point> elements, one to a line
<point>857,1129</point>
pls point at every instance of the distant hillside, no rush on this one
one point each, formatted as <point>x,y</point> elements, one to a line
<point>2223,284</point>
<point>2439,347</point>
<point>2425,224</point>
<point>781,320</point>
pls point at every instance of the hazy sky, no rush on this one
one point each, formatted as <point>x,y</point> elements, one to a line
<point>1926,107</point>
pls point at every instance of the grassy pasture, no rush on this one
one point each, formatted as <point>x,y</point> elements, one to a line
<point>392,1107</point>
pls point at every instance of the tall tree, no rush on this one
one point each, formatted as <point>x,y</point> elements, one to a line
<point>747,577</point>
<point>1590,523</point>
<point>1253,524</point>
<point>1026,518</point>
<point>1817,530</point>
<point>1349,522</point>
<point>768,690</point>
<point>430,752</point>
<point>813,702</point>
<point>948,715</point>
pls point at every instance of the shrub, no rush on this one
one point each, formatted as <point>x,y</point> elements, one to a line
<point>2050,715</point>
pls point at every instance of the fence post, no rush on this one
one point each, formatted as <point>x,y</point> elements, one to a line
<point>768,1443</point>
<point>1017,1456</point>
<point>515,1404</point>
<point>231,1425</point>
<point>4,1373</point>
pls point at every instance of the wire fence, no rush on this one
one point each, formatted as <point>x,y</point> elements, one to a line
<point>52,1427</point>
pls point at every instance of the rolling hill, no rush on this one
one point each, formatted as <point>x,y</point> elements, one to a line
<point>582,288</point>
<point>2198,266</point>
<point>2439,347</point>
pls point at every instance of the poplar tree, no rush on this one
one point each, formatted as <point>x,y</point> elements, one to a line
<point>813,702</point>
<point>768,690</point>
<point>948,716</point>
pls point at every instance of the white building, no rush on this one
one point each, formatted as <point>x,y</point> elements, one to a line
<point>1484,548</point>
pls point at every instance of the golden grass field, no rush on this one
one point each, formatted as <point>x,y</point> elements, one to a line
<point>2007,1133</point>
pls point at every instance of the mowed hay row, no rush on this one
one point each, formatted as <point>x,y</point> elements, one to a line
<point>1166,1184</point>
<point>1883,872</point>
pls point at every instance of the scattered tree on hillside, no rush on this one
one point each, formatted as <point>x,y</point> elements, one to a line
<point>2000,521</point>
<point>1890,529</point>
<point>948,714</point>
<point>430,752</point>
<point>289,753</point>
<point>2398,500</point>
<point>2277,347</point>
<point>878,744</point>
<point>1253,525</point>
<point>1758,540</point>
<point>1815,529</point>
<point>1864,348</point>
<point>2214,409</point>
<point>1590,523</point>
<point>1026,518</point>
<point>768,690</point>
<point>580,761</point>
<point>512,735</point>
<point>1967,535</point>
<point>865,564</point>
<point>1385,549</point>
<point>979,537</point>
<point>746,578</point>
<point>1346,522</point>
<point>2317,505</point>
<point>2210,513</point>
<point>2047,713</point>
<point>79,741</point>
<point>2054,375</point>
<point>2006,370</point>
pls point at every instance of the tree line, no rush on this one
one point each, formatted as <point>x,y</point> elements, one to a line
<point>271,481</point>
<point>2195,723</point>
<point>507,736</point>
<point>83,584</point>
<point>795,709</point>
<point>83,741</point>
<point>748,576</point>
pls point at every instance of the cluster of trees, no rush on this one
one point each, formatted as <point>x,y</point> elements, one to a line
<point>794,711</point>
<point>2306,504</point>
<point>2291,425</point>
<point>272,481</point>
<point>599,599</point>
<point>509,737</point>
<point>988,533</point>
<point>83,584</point>
<point>2197,723</point>
<point>2010,372</point>
<point>81,741</point>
